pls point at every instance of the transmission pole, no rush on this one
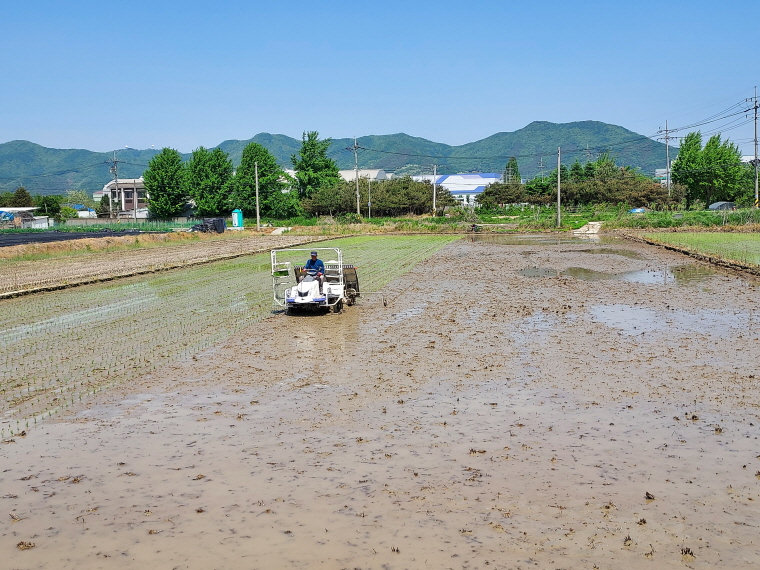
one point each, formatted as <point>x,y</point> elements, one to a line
<point>435,176</point>
<point>115,171</point>
<point>356,168</point>
<point>258,219</point>
<point>667,138</point>
<point>559,185</point>
<point>541,168</point>
<point>755,162</point>
<point>588,153</point>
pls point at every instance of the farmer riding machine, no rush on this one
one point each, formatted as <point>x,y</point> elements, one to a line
<point>296,288</point>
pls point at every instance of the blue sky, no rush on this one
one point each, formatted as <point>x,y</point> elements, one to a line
<point>102,76</point>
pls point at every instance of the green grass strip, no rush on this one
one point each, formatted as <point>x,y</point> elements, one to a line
<point>739,247</point>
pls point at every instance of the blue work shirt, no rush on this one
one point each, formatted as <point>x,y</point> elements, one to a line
<point>315,264</point>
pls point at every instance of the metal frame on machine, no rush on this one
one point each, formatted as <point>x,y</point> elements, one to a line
<point>281,271</point>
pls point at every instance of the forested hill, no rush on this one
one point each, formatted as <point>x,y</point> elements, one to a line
<point>53,171</point>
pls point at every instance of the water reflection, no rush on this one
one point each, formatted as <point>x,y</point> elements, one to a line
<point>637,320</point>
<point>533,239</point>
<point>679,275</point>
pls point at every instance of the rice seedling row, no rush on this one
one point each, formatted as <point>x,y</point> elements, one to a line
<point>742,248</point>
<point>20,276</point>
<point>62,347</point>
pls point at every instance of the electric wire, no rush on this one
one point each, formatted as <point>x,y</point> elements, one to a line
<point>734,110</point>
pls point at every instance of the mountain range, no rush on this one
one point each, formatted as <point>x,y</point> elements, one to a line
<point>45,171</point>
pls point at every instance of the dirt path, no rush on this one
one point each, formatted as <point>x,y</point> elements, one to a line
<point>542,405</point>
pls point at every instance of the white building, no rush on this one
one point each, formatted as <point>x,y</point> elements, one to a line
<point>463,187</point>
<point>370,174</point>
<point>122,193</point>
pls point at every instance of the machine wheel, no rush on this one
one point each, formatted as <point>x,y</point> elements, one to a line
<point>338,307</point>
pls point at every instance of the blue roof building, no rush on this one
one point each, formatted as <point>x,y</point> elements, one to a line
<point>463,187</point>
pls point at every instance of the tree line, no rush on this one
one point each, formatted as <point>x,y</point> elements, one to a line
<point>595,182</point>
<point>713,172</point>
<point>209,180</point>
<point>60,207</point>
<point>699,176</point>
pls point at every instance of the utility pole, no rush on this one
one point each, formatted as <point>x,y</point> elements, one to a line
<point>755,162</point>
<point>435,176</point>
<point>258,219</point>
<point>667,138</point>
<point>559,186</point>
<point>369,197</point>
<point>355,148</point>
<point>114,170</point>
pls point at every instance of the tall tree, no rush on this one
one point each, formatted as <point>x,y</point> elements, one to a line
<point>712,173</point>
<point>512,172</point>
<point>164,184</point>
<point>314,169</point>
<point>48,205</point>
<point>271,181</point>
<point>80,198</point>
<point>22,198</point>
<point>724,172</point>
<point>687,167</point>
<point>577,174</point>
<point>605,167</point>
<point>500,194</point>
<point>209,181</point>
<point>104,206</point>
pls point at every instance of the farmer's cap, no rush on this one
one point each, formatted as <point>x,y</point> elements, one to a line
<point>314,253</point>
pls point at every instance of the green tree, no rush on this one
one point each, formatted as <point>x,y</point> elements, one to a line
<point>5,199</point>
<point>165,184</point>
<point>66,213</point>
<point>577,173</point>
<point>539,186</point>
<point>314,169</point>
<point>283,205</point>
<point>687,167</point>
<point>22,198</point>
<point>395,197</point>
<point>48,205</point>
<point>499,194</point>
<point>271,183</point>
<point>723,170</point>
<point>209,181</point>
<point>78,197</point>
<point>712,173</point>
<point>104,207</point>
<point>604,167</point>
<point>512,172</point>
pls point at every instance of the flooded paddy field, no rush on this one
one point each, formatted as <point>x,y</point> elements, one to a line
<point>484,418</point>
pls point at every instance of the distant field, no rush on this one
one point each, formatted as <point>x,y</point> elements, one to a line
<point>740,247</point>
<point>62,346</point>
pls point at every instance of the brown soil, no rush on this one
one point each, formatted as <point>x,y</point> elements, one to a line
<point>481,420</point>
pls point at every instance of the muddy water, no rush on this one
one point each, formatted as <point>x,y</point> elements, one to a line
<point>481,420</point>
